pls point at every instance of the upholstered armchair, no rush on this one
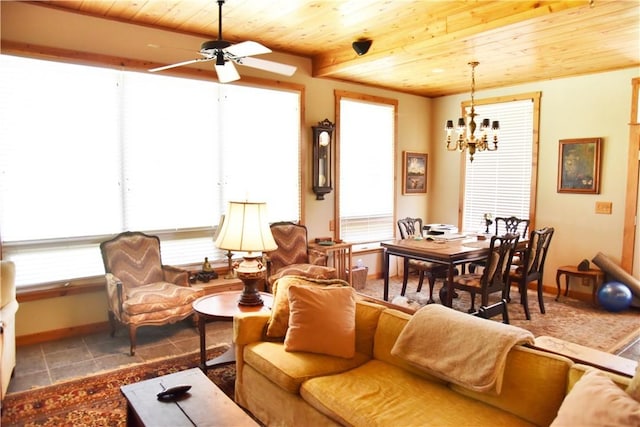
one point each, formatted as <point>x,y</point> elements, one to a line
<point>8,309</point>
<point>293,256</point>
<point>141,290</point>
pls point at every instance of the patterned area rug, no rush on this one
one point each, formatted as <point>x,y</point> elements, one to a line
<point>572,320</point>
<point>96,400</point>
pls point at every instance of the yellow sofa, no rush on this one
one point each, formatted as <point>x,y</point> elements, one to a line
<point>375,388</point>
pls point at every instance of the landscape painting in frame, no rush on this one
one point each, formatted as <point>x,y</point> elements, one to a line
<point>579,165</point>
<point>414,173</point>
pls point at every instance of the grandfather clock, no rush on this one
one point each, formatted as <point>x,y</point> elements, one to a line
<point>322,147</point>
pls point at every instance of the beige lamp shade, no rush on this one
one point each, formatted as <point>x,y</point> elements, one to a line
<point>246,228</point>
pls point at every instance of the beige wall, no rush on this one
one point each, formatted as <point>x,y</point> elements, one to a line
<point>588,106</point>
<point>596,105</point>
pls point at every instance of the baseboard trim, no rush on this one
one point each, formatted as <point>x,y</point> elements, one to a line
<point>553,290</point>
<point>57,334</point>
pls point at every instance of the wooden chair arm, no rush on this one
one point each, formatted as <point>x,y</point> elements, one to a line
<point>114,294</point>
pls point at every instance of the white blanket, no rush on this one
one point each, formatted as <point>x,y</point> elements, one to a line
<point>458,347</point>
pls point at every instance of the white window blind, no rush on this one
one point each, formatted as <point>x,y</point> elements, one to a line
<point>86,153</point>
<point>499,182</point>
<point>261,148</point>
<point>170,161</point>
<point>366,170</point>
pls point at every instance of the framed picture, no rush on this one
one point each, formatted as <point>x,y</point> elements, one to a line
<point>414,173</point>
<point>579,165</point>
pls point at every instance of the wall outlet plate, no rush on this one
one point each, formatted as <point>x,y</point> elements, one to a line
<point>604,208</point>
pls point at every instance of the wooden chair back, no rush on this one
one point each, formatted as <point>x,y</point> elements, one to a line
<point>536,252</point>
<point>495,276</point>
<point>409,227</point>
<point>511,225</point>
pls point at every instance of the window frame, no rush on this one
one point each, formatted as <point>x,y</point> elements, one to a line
<point>338,96</point>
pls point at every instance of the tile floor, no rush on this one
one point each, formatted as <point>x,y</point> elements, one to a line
<point>50,362</point>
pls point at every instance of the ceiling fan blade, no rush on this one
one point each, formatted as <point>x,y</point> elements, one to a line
<point>179,64</point>
<point>271,66</point>
<point>247,48</point>
<point>227,72</point>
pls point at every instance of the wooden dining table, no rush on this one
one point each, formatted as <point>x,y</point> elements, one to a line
<point>450,252</point>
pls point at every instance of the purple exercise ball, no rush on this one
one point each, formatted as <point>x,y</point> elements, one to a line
<point>614,296</point>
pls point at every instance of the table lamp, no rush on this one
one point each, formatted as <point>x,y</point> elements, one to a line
<point>246,229</point>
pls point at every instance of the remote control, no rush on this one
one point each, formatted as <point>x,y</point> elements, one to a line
<point>174,392</point>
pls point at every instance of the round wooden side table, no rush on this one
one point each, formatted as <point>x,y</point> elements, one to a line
<point>222,306</point>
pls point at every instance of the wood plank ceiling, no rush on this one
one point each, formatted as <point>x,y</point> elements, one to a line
<point>419,46</point>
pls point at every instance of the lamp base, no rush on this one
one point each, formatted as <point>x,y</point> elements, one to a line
<point>250,295</point>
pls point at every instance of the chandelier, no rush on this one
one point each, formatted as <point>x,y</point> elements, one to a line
<point>467,140</point>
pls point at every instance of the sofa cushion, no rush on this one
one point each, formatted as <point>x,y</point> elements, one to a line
<point>322,320</point>
<point>382,394</point>
<point>390,325</point>
<point>595,400</point>
<point>290,369</point>
<point>529,369</point>
<point>279,321</point>
<point>158,296</point>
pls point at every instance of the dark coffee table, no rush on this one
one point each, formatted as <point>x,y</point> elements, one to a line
<point>222,306</point>
<point>203,405</point>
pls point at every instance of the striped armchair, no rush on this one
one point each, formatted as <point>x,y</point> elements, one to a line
<point>140,290</point>
<point>293,256</point>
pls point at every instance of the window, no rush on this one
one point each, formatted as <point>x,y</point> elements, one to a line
<point>87,152</point>
<point>366,153</point>
<point>500,182</point>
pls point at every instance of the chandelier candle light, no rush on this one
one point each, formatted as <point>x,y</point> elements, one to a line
<point>466,130</point>
<point>246,229</point>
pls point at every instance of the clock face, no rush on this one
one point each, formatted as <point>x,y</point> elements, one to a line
<point>324,138</point>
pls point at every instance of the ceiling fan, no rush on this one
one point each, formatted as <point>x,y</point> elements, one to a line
<point>225,55</point>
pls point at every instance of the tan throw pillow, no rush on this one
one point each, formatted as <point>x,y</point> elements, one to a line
<point>634,386</point>
<point>322,320</point>
<point>279,321</point>
<point>595,400</point>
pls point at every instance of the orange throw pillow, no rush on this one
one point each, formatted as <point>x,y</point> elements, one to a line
<point>322,320</point>
<point>279,321</point>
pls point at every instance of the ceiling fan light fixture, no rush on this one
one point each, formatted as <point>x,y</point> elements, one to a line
<point>361,46</point>
<point>225,55</point>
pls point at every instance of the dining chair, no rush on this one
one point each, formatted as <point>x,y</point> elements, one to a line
<point>495,276</point>
<point>408,228</point>
<point>511,225</point>
<point>505,225</point>
<point>532,267</point>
